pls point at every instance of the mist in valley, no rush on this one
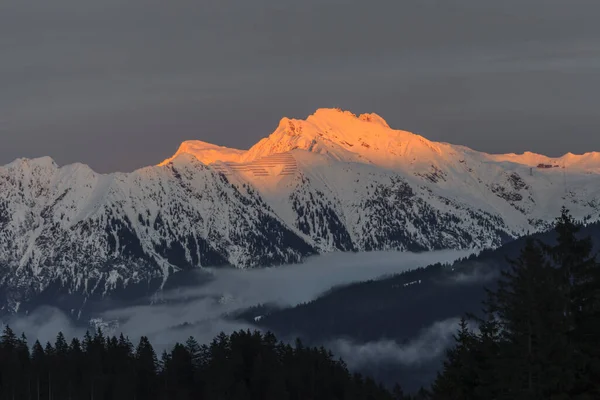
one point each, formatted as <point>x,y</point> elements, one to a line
<point>201,310</point>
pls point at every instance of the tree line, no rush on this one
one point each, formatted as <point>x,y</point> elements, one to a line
<point>242,366</point>
<point>538,336</point>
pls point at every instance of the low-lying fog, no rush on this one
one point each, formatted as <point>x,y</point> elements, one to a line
<point>199,310</point>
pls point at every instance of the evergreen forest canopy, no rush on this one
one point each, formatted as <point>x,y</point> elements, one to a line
<point>537,338</point>
<point>243,365</point>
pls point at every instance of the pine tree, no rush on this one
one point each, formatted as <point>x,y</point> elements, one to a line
<point>9,363</point>
<point>24,363</point>
<point>115,366</point>
<point>76,370</point>
<point>124,369</point>
<point>488,353</point>
<point>459,376</point>
<point>38,371</point>
<point>165,367</point>
<point>50,369</point>
<point>146,370</point>
<point>579,271</point>
<point>530,311</point>
<point>92,366</point>
<point>192,346</point>
<point>179,373</point>
<point>219,368</point>
<point>60,360</point>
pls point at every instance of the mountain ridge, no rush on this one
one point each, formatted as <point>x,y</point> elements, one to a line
<point>303,190</point>
<point>318,127</point>
<point>209,153</point>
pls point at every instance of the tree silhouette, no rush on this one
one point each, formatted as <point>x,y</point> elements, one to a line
<point>539,337</point>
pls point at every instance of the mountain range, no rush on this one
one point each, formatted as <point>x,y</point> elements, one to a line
<point>333,182</point>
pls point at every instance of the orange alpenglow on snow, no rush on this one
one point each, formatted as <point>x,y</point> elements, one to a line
<point>367,138</point>
<point>206,152</point>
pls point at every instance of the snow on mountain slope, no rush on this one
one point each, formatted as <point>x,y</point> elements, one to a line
<point>96,233</point>
<point>509,186</point>
<point>339,134</point>
<point>345,137</point>
<point>368,138</point>
<point>332,182</point>
<point>585,163</point>
<point>206,152</point>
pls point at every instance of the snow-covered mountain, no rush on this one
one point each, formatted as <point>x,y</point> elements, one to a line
<point>332,182</point>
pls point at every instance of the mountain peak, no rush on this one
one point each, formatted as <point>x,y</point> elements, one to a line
<point>374,118</point>
<point>341,134</point>
<point>366,138</point>
<point>330,117</point>
<point>39,162</point>
<point>338,115</point>
<point>206,152</point>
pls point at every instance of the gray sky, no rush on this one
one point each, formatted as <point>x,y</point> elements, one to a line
<point>118,84</point>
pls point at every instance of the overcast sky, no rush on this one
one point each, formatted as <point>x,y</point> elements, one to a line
<point>118,84</point>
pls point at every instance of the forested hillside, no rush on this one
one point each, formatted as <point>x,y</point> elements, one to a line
<point>388,307</point>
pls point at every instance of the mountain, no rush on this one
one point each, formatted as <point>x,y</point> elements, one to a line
<point>332,182</point>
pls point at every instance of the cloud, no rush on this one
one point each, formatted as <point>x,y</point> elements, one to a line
<point>44,324</point>
<point>480,273</point>
<point>200,310</point>
<point>203,306</point>
<point>429,345</point>
<point>290,285</point>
